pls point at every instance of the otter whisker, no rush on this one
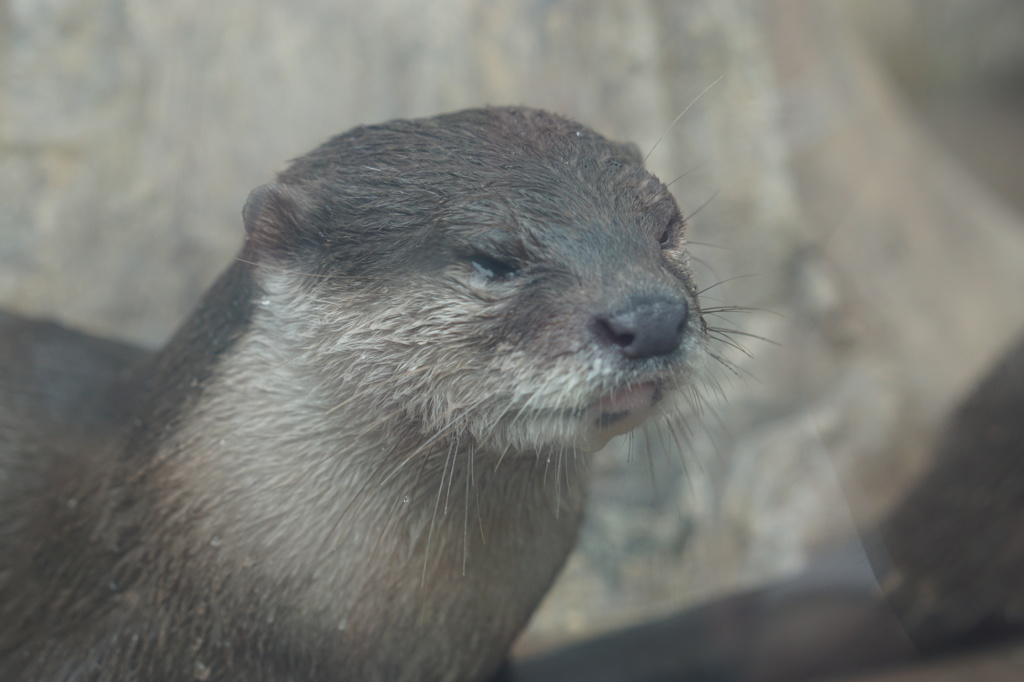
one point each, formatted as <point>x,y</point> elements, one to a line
<point>739,332</point>
<point>497,420</point>
<point>724,362</point>
<point>736,309</point>
<point>709,245</point>
<point>504,452</point>
<point>703,204</point>
<point>454,453</point>
<point>648,455</point>
<point>547,463</point>
<point>678,439</point>
<point>723,337</point>
<point>437,504</point>
<point>697,399</point>
<point>681,114</point>
<point>576,463</point>
<point>558,481</point>
<point>716,386</point>
<point>720,282</point>
<point>705,263</point>
<point>735,371</point>
<point>685,173</point>
<point>476,490</point>
<point>444,432</point>
<point>465,514</point>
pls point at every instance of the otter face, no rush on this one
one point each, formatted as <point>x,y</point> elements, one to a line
<point>502,275</point>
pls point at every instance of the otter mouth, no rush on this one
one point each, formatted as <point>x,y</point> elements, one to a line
<point>620,412</point>
<point>611,414</point>
<point>632,402</point>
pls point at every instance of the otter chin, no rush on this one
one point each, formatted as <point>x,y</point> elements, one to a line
<point>335,469</point>
<point>619,413</point>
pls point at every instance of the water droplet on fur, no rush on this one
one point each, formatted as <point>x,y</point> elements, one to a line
<point>264,301</point>
<point>202,671</point>
<point>342,625</point>
<point>216,541</point>
<point>407,499</point>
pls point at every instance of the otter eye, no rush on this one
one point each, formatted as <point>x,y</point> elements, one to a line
<point>666,238</point>
<point>491,269</point>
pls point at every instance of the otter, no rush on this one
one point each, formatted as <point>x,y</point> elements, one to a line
<point>363,456</point>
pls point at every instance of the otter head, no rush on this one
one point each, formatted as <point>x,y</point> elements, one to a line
<point>504,277</point>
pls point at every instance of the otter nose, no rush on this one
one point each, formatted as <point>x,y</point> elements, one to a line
<point>646,328</point>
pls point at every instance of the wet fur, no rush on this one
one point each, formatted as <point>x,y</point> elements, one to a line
<point>358,459</point>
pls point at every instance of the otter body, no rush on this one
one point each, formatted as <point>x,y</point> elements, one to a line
<point>359,458</point>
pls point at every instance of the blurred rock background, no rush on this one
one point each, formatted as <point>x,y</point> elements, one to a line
<point>857,170</point>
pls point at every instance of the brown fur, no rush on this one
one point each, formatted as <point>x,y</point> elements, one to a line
<point>358,459</point>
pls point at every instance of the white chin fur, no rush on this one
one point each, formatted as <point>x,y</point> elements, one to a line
<point>591,429</point>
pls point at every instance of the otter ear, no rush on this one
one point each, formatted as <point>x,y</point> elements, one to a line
<point>274,216</point>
